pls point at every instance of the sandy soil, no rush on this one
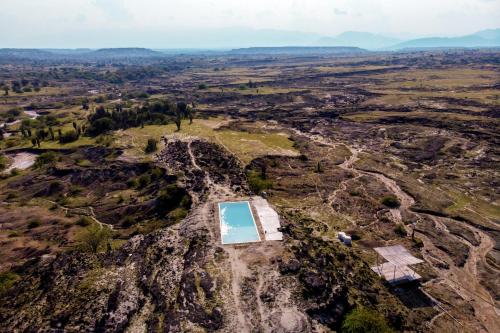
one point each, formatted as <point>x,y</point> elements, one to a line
<point>21,161</point>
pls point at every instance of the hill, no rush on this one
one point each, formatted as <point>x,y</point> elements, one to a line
<point>485,38</point>
<point>299,50</point>
<point>359,39</point>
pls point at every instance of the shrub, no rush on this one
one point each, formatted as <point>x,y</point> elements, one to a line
<point>361,320</point>
<point>55,187</point>
<point>47,158</point>
<point>418,242</point>
<point>171,198</point>
<point>94,239</point>
<point>144,181</point>
<point>3,162</point>
<point>70,136</point>
<point>400,230</point>
<point>84,221</point>
<point>390,201</point>
<point>34,223</point>
<point>132,183</point>
<point>202,86</point>
<point>128,222</point>
<point>104,140</point>
<point>75,190</point>
<point>151,146</point>
<point>7,280</point>
<point>178,214</point>
<point>100,126</point>
<point>157,173</point>
<point>257,183</point>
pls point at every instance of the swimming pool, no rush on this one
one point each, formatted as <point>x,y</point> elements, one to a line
<point>237,224</point>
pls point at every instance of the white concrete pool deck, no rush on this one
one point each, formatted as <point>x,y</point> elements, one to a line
<point>268,217</point>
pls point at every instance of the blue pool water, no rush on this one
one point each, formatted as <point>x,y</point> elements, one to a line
<point>237,224</point>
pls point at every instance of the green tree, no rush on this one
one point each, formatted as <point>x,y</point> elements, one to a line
<point>361,320</point>
<point>177,114</point>
<point>94,238</point>
<point>151,146</point>
<point>190,113</point>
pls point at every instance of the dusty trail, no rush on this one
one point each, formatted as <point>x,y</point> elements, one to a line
<point>239,269</point>
<point>464,280</point>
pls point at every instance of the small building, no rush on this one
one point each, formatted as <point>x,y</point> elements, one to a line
<point>269,219</point>
<point>396,270</point>
<point>344,238</point>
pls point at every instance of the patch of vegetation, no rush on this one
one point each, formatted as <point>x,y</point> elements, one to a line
<point>3,162</point>
<point>400,230</point>
<point>70,136</point>
<point>361,320</point>
<point>47,158</point>
<point>171,198</point>
<point>94,238</point>
<point>390,201</point>
<point>84,221</point>
<point>34,223</point>
<point>258,182</point>
<point>7,281</point>
<point>151,146</point>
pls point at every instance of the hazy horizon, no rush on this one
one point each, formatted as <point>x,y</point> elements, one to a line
<point>224,23</point>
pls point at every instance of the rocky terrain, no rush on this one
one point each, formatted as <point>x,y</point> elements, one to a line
<point>119,231</point>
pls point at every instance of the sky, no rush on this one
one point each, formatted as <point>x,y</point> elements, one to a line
<point>200,23</point>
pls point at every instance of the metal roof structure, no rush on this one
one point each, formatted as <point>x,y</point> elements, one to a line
<point>396,270</point>
<point>397,255</point>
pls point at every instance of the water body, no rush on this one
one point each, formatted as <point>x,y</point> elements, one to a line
<point>237,223</point>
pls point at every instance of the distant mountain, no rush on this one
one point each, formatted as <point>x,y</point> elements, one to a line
<point>491,34</point>
<point>485,38</point>
<point>127,52</point>
<point>296,50</point>
<point>24,53</point>
<point>364,40</point>
<point>78,54</point>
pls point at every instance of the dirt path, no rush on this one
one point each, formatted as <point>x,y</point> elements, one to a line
<point>239,268</point>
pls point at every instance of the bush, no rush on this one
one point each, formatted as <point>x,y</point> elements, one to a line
<point>47,158</point>
<point>400,230</point>
<point>390,201</point>
<point>7,280</point>
<point>171,198</point>
<point>94,239</point>
<point>128,222</point>
<point>361,320</point>
<point>34,223</point>
<point>100,126</point>
<point>144,181</point>
<point>151,146</point>
<point>55,187</point>
<point>3,162</point>
<point>178,214</point>
<point>418,242</point>
<point>131,183</point>
<point>202,86</point>
<point>104,140</point>
<point>70,136</point>
<point>84,221</point>
<point>257,183</point>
